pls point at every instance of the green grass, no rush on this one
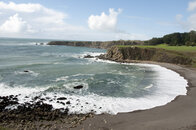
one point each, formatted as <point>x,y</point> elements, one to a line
<point>164,46</point>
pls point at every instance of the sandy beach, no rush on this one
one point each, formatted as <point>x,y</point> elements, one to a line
<point>179,114</point>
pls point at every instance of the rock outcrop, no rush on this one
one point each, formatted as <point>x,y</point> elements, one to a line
<point>122,54</point>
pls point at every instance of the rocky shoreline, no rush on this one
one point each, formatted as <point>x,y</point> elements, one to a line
<point>36,115</point>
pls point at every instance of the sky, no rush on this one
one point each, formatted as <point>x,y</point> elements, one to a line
<point>96,20</point>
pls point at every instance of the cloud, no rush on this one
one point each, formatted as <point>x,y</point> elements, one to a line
<point>128,36</point>
<point>189,23</point>
<point>192,22</point>
<point>192,6</point>
<point>14,24</point>
<point>37,11</point>
<point>104,22</point>
<point>29,18</point>
<point>28,8</point>
<point>37,21</point>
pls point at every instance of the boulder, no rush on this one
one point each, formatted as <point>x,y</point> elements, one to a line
<point>62,98</point>
<point>78,87</point>
<point>88,56</point>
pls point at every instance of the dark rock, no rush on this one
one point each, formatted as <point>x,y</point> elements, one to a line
<point>78,87</point>
<point>7,101</point>
<point>62,103</point>
<point>26,71</point>
<point>62,98</point>
<point>42,99</point>
<point>88,56</point>
<point>68,102</point>
<point>36,97</point>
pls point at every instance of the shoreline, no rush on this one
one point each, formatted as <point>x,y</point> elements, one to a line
<point>139,119</point>
<point>180,113</point>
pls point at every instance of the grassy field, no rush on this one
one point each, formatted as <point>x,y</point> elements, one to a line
<point>172,48</point>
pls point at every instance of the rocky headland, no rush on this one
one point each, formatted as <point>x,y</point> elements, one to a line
<point>116,51</point>
<point>131,54</point>
<point>95,44</point>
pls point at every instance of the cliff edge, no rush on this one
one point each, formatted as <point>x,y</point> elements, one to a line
<point>121,54</point>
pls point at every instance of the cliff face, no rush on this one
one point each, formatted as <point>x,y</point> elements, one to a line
<point>146,54</point>
<point>102,45</point>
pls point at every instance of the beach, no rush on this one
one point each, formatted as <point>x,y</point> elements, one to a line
<point>177,115</point>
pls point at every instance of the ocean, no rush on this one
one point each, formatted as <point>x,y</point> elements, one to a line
<point>30,69</point>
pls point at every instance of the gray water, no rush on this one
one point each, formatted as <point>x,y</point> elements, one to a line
<point>53,71</point>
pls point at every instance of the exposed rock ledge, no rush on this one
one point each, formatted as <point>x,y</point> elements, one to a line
<point>121,54</point>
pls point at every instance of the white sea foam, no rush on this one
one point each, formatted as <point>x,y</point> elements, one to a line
<point>16,90</point>
<point>168,84</point>
<point>64,78</point>
<point>25,44</point>
<point>149,86</point>
<point>40,43</point>
<point>82,55</point>
<point>32,73</point>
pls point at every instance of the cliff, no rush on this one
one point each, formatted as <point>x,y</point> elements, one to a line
<point>96,44</point>
<point>121,54</point>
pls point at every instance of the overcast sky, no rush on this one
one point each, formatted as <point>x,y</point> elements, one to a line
<point>96,19</point>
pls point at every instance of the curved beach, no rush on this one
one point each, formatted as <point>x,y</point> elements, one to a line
<point>178,114</point>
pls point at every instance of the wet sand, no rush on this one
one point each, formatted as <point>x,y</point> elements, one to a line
<point>179,114</point>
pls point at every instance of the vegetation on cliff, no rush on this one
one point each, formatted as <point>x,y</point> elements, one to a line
<point>175,39</point>
<point>167,47</point>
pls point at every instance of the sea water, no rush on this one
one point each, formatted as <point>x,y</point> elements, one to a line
<point>29,69</point>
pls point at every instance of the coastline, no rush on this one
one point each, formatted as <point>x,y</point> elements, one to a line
<point>179,114</point>
<point>161,117</point>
